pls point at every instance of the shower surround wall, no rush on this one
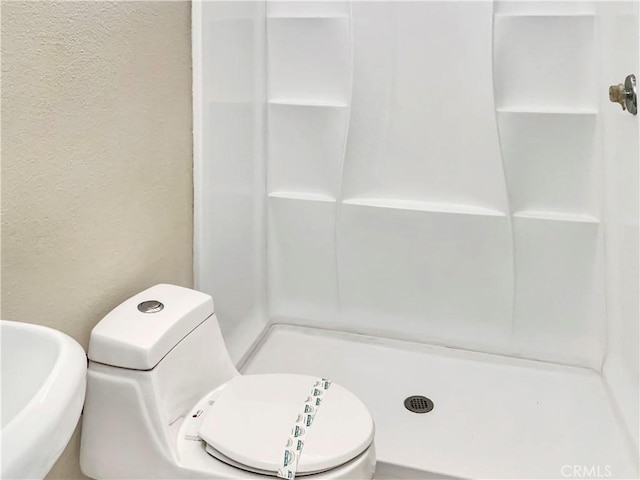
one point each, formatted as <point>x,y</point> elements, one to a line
<point>621,369</point>
<point>427,171</point>
<point>229,165</point>
<point>399,206</point>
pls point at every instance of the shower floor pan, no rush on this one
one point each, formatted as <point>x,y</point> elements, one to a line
<point>493,416</point>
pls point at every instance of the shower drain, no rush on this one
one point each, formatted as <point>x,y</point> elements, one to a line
<point>418,404</point>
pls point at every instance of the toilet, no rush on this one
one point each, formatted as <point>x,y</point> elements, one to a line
<point>164,400</point>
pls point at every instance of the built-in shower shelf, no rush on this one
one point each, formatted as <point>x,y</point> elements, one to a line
<point>296,102</point>
<point>548,110</point>
<point>548,14</point>
<point>557,216</point>
<point>302,16</point>
<point>308,9</point>
<point>424,206</point>
<point>308,196</point>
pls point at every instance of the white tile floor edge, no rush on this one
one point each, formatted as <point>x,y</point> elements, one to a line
<point>494,416</point>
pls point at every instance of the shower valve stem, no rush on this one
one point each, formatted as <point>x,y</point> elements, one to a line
<point>625,94</point>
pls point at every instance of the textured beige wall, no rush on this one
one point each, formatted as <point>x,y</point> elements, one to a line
<point>96,160</point>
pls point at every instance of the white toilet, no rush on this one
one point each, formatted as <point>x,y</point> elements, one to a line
<point>165,401</point>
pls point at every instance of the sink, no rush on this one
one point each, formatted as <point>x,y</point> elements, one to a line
<point>42,392</point>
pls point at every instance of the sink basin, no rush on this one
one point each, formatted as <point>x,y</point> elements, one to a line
<point>42,393</point>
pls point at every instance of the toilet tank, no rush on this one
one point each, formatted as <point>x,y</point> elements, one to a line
<point>169,339</point>
<point>141,331</point>
<point>150,360</point>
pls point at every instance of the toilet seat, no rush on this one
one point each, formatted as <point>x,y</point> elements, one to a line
<point>223,458</point>
<point>251,420</point>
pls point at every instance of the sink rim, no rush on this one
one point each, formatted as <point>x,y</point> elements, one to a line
<point>36,436</point>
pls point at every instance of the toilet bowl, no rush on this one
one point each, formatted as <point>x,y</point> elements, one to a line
<point>164,400</point>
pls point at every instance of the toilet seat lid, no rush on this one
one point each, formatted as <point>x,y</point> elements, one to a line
<point>254,415</point>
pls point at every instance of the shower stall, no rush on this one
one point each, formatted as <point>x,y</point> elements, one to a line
<point>430,198</point>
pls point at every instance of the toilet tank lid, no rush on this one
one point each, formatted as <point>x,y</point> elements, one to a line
<point>138,338</point>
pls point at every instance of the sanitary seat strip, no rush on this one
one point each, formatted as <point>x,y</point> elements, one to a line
<point>295,442</point>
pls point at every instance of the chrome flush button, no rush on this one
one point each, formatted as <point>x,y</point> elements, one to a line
<point>150,306</point>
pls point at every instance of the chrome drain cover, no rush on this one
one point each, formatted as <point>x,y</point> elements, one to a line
<point>418,404</point>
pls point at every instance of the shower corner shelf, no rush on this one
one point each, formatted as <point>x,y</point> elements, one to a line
<point>543,14</point>
<point>541,110</point>
<point>306,196</point>
<point>557,216</point>
<point>299,16</point>
<point>297,102</point>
